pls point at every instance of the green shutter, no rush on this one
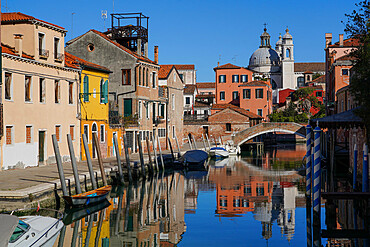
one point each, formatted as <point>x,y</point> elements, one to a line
<point>106,91</point>
<point>127,107</point>
<point>86,88</point>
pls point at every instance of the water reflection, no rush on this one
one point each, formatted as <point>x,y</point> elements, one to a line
<point>238,203</point>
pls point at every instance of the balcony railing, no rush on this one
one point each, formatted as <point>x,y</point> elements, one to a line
<point>125,121</point>
<point>196,117</point>
<point>158,120</point>
<point>43,53</point>
<point>59,57</point>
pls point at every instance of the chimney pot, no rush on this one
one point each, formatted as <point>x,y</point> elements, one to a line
<point>340,39</point>
<point>156,54</point>
<point>328,38</point>
<point>18,39</point>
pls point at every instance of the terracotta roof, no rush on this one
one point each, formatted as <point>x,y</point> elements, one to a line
<point>300,67</point>
<point>200,104</point>
<point>142,58</point>
<point>206,85</point>
<point>190,88</point>
<point>347,57</point>
<point>11,50</point>
<point>308,72</point>
<point>235,108</point>
<point>255,83</point>
<point>351,42</point>
<point>227,66</point>
<point>164,71</point>
<point>76,62</point>
<point>184,66</point>
<point>20,17</point>
<point>204,96</point>
<point>320,79</point>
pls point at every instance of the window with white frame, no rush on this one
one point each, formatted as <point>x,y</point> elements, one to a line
<point>140,110</point>
<point>244,78</point>
<point>72,132</point>
<point>27,88</point>
<point>222,78</point>
<point>70,92</point>
<point>147,110</point>
<point>86,131</point>
<point>58,132</point>
<point>8,86</point>
<point>57,91</point>
<point>235,78</point>
<point>173,101</point>
<point>259,112</point>
<point>42,90</point>
<point>9,132</point>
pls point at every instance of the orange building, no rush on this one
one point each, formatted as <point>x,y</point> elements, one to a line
<point>256,97</point>
<point>228,78</point>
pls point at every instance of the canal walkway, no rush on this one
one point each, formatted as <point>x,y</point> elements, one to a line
<point>19,187</point>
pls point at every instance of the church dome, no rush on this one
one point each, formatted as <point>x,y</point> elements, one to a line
<point>264,59</point>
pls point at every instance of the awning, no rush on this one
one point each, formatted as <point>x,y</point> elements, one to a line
<point>341,120</point>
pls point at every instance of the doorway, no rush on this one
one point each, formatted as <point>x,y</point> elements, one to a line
<point>94,129</point>
<point>41,147</point>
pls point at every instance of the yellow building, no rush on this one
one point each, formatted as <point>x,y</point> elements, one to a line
<point>94,107</point>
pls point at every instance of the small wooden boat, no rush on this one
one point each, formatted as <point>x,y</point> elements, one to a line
<point>88,198</point>
<point>218,152</point>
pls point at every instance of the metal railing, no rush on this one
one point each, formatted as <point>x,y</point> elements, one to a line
<point>59,57</point>
<point>196,117</point>
<point>43,53</point>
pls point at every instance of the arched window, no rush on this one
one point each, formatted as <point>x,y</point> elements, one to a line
<point>86,88</point>
<point>287,53</point>
<point>147,78</point>
<point>144,83</point>
<point>139,75</point>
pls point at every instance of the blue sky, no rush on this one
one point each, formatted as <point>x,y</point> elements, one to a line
<point>203,32</point>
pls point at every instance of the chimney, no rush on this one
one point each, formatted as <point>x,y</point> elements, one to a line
<point>138,51</point>
<point>328,37</point>
<point>146,49</point>
<point>218,64</point>
<point>18,39</point>
<point>340,39</point>
<point>156,54</point>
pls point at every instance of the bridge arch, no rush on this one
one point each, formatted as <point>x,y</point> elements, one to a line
<point>245,135</point>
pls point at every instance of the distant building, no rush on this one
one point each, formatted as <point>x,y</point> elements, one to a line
<point>206,88</point>
<point>39,93</point>
<point>187,73</point>
<point>338,63</point>
<point>190,91</point>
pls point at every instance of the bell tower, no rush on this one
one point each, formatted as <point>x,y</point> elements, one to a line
<point>287,61</point>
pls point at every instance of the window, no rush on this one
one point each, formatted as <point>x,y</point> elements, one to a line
<point>147,109</point>
<point>8,86</point>
<point>86,89</point>
<point>153,80</point>
<point>57,132</point>
<point>28,134</point>
<point>187,100</point>
<point>42,90</point>
<point>127,107</point>
<point>57,91</point>
<point>235,78</point>
<point>345,72</point>
<point>72,132</point>
<point>287,53</point>
<point>222,78</point>
<point>9,135</point>
<point>246,93</point>
<point>300,81</point>
<point>103,91</point>
<point>102,133</point>
<point>154,111</point>
<point>259,93</point>
<point>70,92</point>
<point>181,76</point>
<point>244,78</point>
<point>259,112</point>
<point>173,101</point>
<point>161,132</point>
<point>126,77</point>
<point>147,78</point>
<point>27,88</point>
<point>228,126</point>
<point>42,52</point>
<point>173,131</point>
<point>161,110</point>
<point>57,54</point>
<point>139,73</point>
<point>319,94</point>
<point>86,131</point>
<point>222,95</point>
<point>235,95</point>
<point>140,110</point>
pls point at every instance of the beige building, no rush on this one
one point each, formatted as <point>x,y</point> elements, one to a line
<point>169,79</point>
<point>39,92</point>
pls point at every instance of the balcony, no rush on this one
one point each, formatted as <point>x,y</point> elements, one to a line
<point>196,117</point>
<point>44,54</point>
<point>59,57</point>
<point>122,121</point>
<point>158,120</point>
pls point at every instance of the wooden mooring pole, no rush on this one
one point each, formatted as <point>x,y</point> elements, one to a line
<point>195,144</point>
<point>169,143</point>
<point>178,147</point>
<point>149,155</point>
<point>59,165</point>
<point>204,143</point>
<point>100,159</point>
<point>160,152</point>
<point>74,164</point>
<point>138,138</point>
<point>155,153</point>
<point>127,155</point>
<point>120,173</point>
<point>209,144</point>
<point>89,163</point>
<point>190,146</point>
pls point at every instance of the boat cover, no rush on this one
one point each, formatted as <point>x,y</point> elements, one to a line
<point>7,226</point>
<point>218,148</point>
<point>195,156</point>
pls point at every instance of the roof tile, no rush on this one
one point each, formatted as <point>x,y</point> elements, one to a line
<point>315,67</point>
<point>20,17</point>
<point>235,108</point>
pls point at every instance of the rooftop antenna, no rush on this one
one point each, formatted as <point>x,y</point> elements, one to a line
<point>104,16</point>
<point>265,24</point>
<point>113,7</point>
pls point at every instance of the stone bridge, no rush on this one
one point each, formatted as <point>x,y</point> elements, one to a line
<point>262,128</point>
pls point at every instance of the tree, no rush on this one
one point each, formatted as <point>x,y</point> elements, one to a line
<point>358,27</point>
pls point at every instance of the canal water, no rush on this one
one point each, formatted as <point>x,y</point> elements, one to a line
<point>253,200</point>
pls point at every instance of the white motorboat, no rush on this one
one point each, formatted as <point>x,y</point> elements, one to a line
<point>29,230</point>
<point>218,152</point>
